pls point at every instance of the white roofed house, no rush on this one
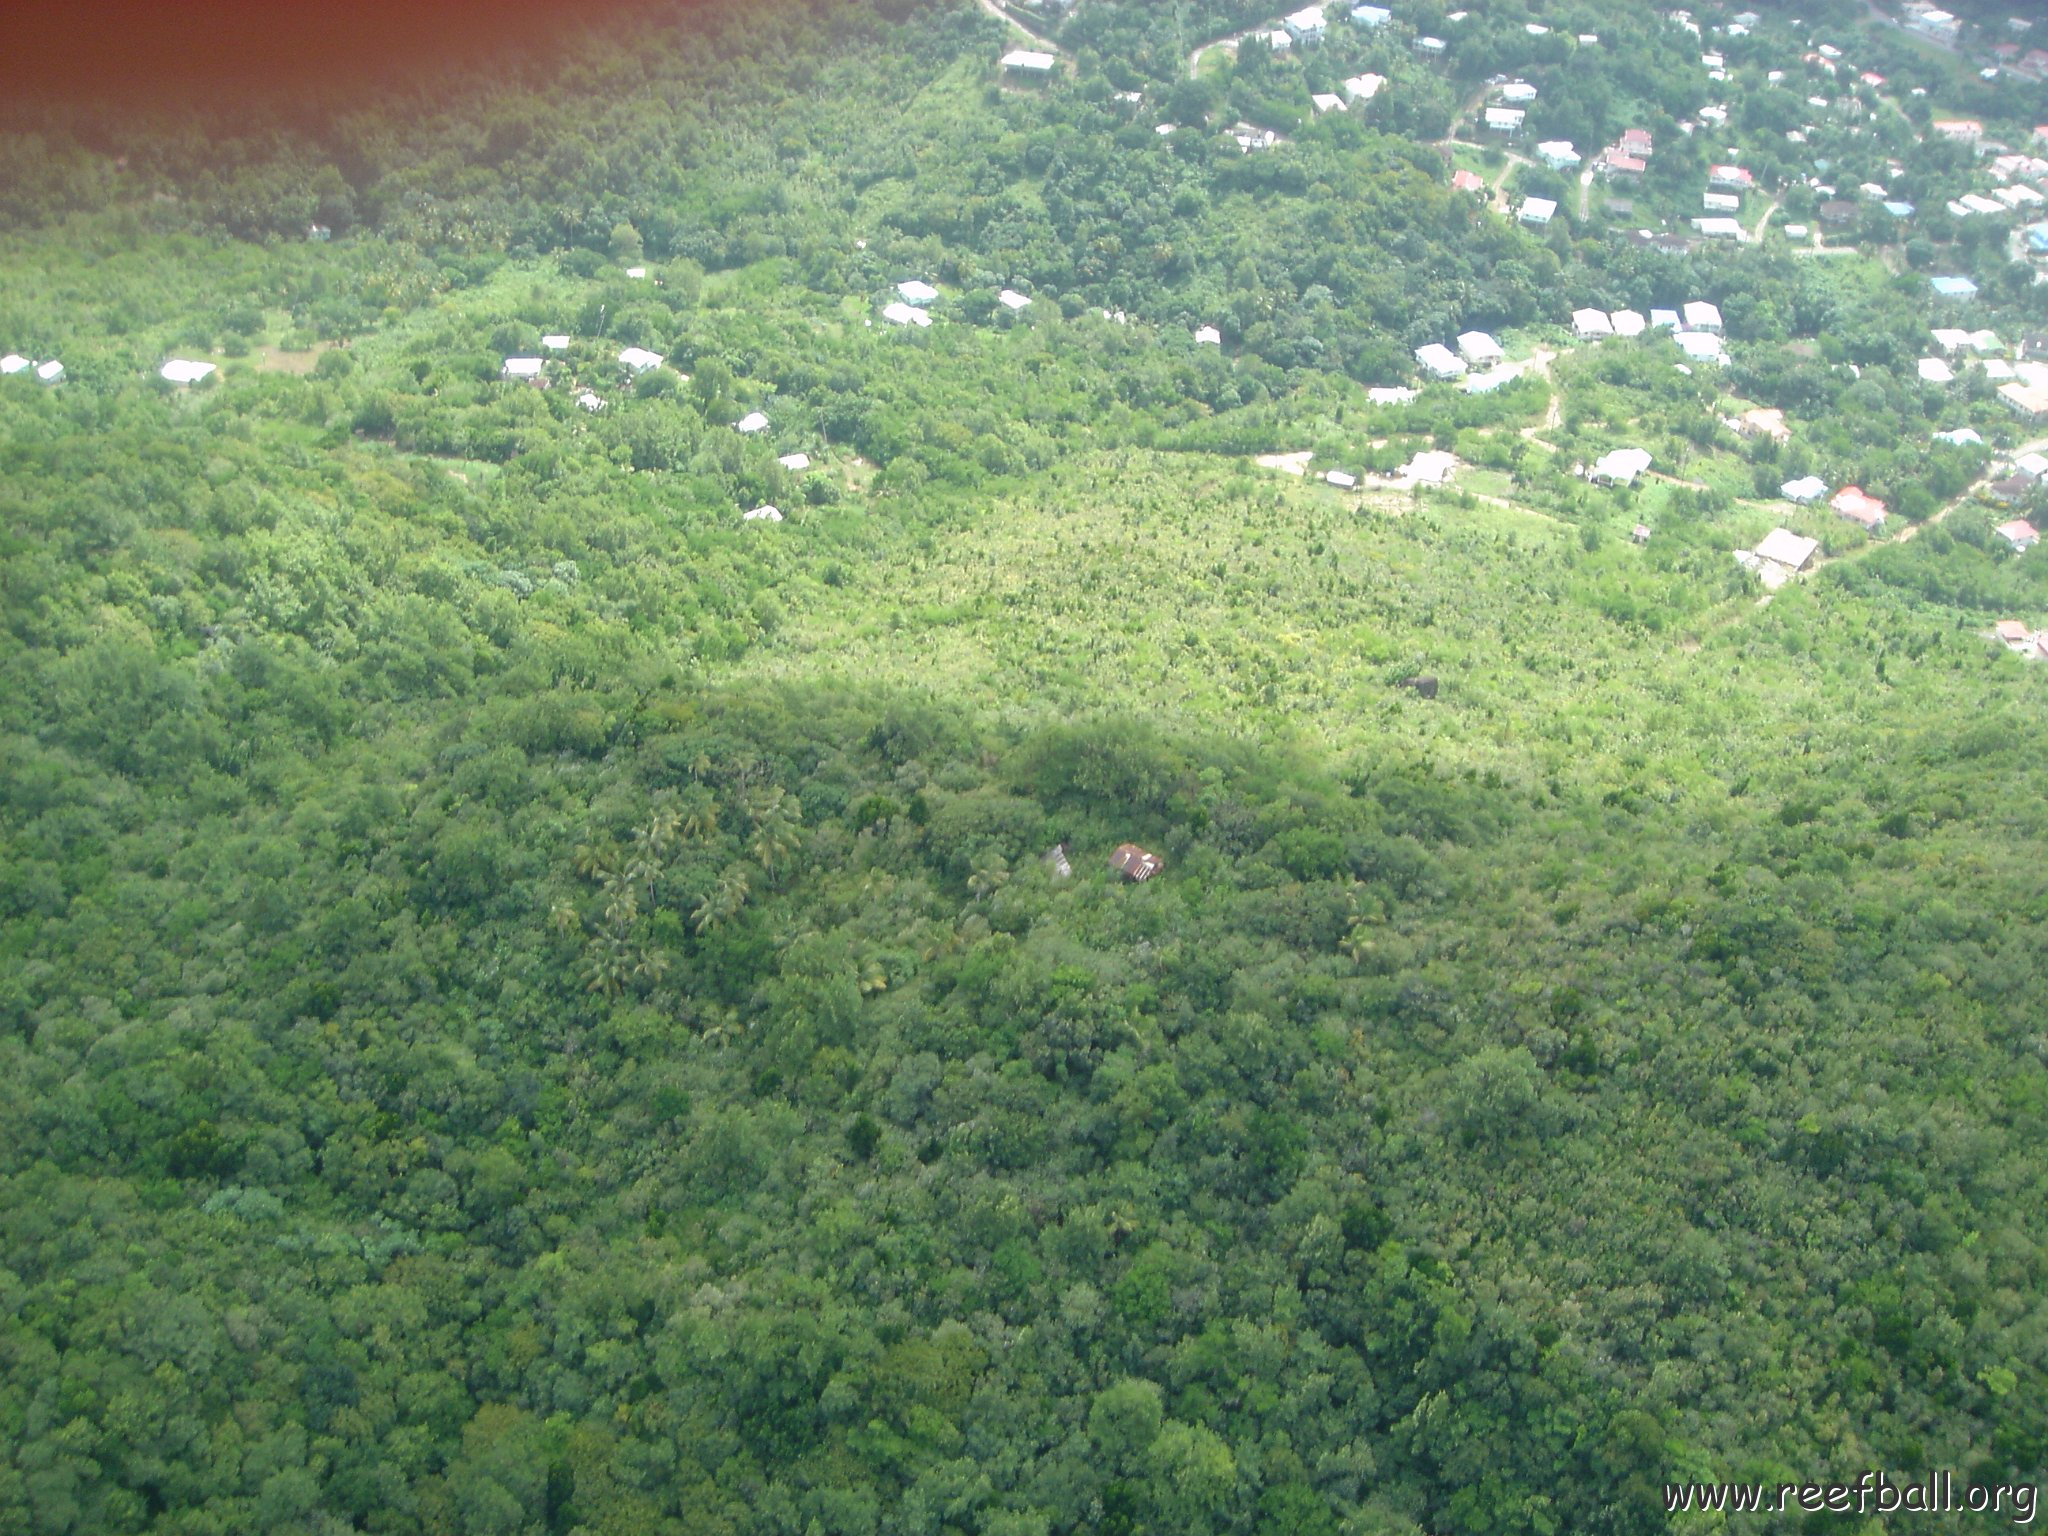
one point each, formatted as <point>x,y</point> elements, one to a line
<point>1479,349</point>
<point>1702,316</point>
<point>1371,17</point>
<point>1805,491</point>
<point>795,463</point>
<point>1440,360</point>
<point>1518,93</point>
<point>1323,101</point>
<point>1702,347</point>
<point>1721,202</point>
<point>638,360</point>
<point>1783,547</point>
<point>1012,300</point>
<point>1364,87</point>
<point>1390,394</point>
<point>917,291</point>
<point>1558,154</point>
<point>52,372</point>
<point>1341,480</point>
<point>1667,318</point>
<point>762,515</point>
<point>1537,210</point>
<point>896,312</point>
<point>14,363</point>
<point>555,343</point>
<point>1029,62</point>
<point>181,370</point>
<point>1497,377</point>
<point>1208,336</point>
<point>1719,227</point>
<point>1627,322</point>
<point>1591,324</point>
<point>590,402</point>
<point>524,370</point>
<point>1933,370</point>
<point>1621,467</point>
<point>1306,25</point>
<point>1506,120</point>
<point>750,423</point>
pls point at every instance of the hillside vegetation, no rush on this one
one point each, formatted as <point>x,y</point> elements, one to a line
<point>534,1004</point>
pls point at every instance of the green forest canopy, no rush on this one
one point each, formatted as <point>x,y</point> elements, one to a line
<point>532,1004</point>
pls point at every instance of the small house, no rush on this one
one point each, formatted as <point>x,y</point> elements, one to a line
<point>556,343</point>
<point>1591,324</point>
<point>1506,120</point>
<point>2011,489</point>
<point>1341,480</point>
<point>1933,370</point>
<point>1306,25</point>
<point>1537,210</point>
<point>52,372</point>
<point>1323,102</point>
<point>1371,17</point>
<point>1721,202</point>
<point>2019,533</point>
<point>751,423</point>
<point>1702,316</point>
<point>1391,394</point>
<point>1666,318</point>
<point>1208,336</point>
<point>1730,178</point>
<point>1628,323</point>
<point>1805,491</point>
<point>795,463</point>
<point>1718,228</point>
<point>2013,633</point>
<point>1364,87</point>
<point>1472,181</point>
<point>181,370</point>
<point>1637,142</point>
<point>14,363</point>
<point>1781,546</point>
<point>590,402</point>
<point>1852,503</point>
<point>1479,349</point>
<point>1955,288</point>
<point>523,370</point>
<point>1492,379</point>
<point>1616,165</point>
<point>916,291</point>
<point>638,360</point>
<point>1440,360</point>
<point>1518,93</point>
<point>1029,62</point>
<point>1134,863</point>
<point>1558,154</point>
<point>1640,533</point>
<point>1013,301</point>
<point>1961,437</point>
<point>1764,421</point>
<point>1620,467</point>
<point>896,312</point>
<point>2027,401</point>
<point>762,515</point>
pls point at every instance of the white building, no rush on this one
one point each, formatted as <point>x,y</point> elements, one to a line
<point>1537,210</point>
<point>1718,228</point>
<point>522,369</point>
<point>762,515</point>
<point>590,402</point>
<point>1721,202</point>
<point>52,372</point>
<point>1591,324</point>
<point>1480,349</point>
<point>1620,467</point>
<point>1494,378</point>
<point>1025,61</point>
<point>1701,346</point>
<point>1804,491</point>
<point>1364,87</point>
<point>1391,394</point>
<point>1323,101</point>
<point>1371,17</point>
<point>1934,371</point>
<point>1702,316</point>
<point>899,313</point>
<point>1781,546</point>
<point>638,360</point>
<point>1012,300</point>
<point>1667,318</point>
<point>1340,480</point>
<point>1558,154</point>
<point>1208,336</point>
<point>14,363</point>
<point>1440,360</point>
<point>917,291</point>
<point>1628,322</point>
<point>1507,120</point>
<point>1305,25</point>
<point>1518,93</point>
<point>181,370</point>
<point>557,343</point>
<point>795,463</point>
<point>752,422</point>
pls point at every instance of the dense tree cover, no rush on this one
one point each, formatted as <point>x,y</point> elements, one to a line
<point>534,1005</point>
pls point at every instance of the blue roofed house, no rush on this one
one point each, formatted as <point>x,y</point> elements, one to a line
<point>2037,239</point>
<point>1953,287</point>
<point>1899,210</point>
<point>1372,17</point>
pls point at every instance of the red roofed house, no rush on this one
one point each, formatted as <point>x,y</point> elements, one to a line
<point>1733,178</point>
<point>1963,130</point>
<point>2013,633</point>
<point>2019,533</point>
<point>1134,863</point>
<point>1850,502</point>
<point>1637,142</point>
<point>1619,166</point>
<point>1467,181</point>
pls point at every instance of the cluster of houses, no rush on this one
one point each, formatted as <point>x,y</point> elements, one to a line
<point>49,371</point>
